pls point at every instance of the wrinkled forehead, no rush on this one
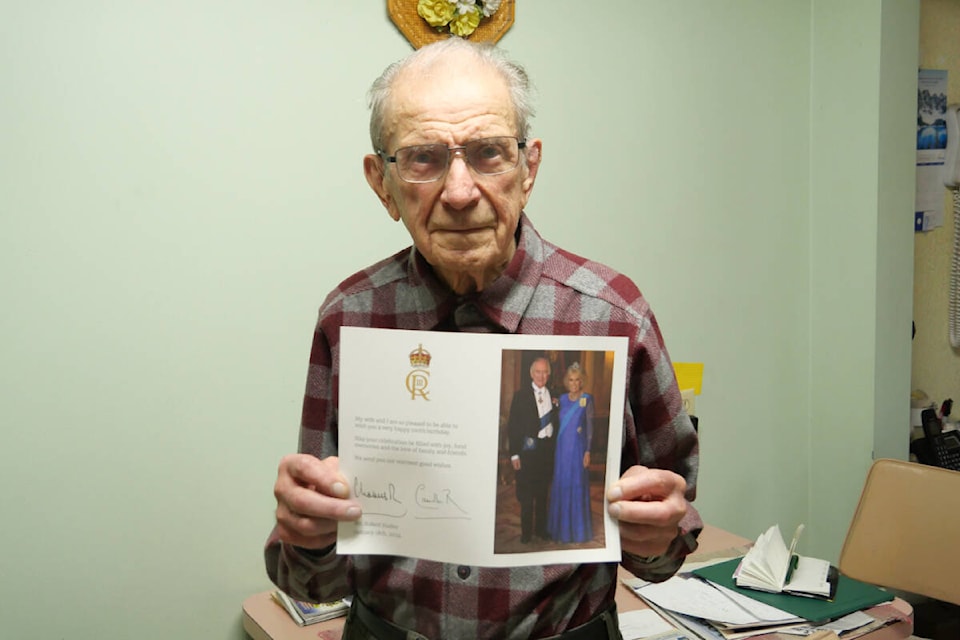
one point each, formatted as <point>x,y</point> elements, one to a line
<point>460,93</point>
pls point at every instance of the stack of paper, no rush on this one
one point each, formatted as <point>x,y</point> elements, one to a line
<point>705,608</point>
<point>720,608</point>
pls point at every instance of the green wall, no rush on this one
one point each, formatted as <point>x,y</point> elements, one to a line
<point>863,88</point>
<point>180,186</point>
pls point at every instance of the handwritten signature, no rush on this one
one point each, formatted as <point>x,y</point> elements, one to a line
<point>386,495</point>
<point>439,503</point>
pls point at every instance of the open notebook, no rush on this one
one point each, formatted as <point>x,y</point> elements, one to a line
<point>770,566</point>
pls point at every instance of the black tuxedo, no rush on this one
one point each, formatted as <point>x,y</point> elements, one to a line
<point>536,460</point>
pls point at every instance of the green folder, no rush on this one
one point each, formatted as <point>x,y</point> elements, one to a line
<point>852,595</point>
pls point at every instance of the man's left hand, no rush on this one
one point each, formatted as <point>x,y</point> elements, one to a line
<point>649,504</point>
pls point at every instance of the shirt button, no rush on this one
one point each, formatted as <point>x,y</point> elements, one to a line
<point>463,572</point>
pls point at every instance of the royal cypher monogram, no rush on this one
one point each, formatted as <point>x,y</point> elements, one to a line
<point>419,378</point>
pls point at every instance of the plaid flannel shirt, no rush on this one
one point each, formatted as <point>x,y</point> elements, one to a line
<point>544,290</point>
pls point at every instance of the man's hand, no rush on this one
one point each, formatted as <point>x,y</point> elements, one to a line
<point>312,496</point>
<point>649,503</point>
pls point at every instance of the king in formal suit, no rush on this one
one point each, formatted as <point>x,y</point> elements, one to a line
<point>531,428</point>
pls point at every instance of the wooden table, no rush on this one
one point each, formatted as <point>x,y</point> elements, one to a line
<point>263,619</point>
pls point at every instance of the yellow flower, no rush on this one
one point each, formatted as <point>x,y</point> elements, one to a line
<point>437,13</point>
<point>465,23</point>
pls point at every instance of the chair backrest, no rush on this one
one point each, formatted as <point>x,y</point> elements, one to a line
<point>905,531</point>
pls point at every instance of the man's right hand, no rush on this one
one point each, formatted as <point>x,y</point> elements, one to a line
<point>312,496</point>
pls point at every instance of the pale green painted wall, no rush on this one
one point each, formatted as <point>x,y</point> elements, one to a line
<point>863,85</point>
<point>180,185</point>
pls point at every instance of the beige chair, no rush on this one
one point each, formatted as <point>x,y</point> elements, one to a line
<point>905,532</point>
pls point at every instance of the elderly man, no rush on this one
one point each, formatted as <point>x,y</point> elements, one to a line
<point>531,426</point>
<point>453,161</point>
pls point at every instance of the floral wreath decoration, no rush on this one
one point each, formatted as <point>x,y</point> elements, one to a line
<point>424,21</point>
<point>460,17</point>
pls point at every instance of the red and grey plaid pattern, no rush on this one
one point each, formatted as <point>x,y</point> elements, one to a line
<point>545,291</point>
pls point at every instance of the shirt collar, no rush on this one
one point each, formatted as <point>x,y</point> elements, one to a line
<point>503,302</point>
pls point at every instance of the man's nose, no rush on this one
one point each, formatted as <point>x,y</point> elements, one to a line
<point>459,186</point>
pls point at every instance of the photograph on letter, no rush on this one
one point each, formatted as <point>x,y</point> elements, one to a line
<point>552,450</point>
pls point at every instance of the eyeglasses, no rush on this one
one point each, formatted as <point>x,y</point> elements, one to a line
<point>429,162</point>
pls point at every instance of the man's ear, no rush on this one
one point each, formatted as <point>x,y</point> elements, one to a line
<point>534,149</point>
<point>373,169</point>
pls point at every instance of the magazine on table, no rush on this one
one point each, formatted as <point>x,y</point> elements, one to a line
<point>304,613</point>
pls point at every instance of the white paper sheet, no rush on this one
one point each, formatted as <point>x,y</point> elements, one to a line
<point>694,597</point>
<point>646,623</point>
<point>422,442</point>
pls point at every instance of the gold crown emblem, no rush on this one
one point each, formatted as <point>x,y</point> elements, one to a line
<point>420,357</point>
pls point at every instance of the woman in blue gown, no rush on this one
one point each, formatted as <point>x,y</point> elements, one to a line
<point>568,519</point>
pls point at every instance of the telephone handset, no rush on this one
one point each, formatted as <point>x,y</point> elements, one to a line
<point>951,161</point>
<point>951,179</point>
<point>942,448</point>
